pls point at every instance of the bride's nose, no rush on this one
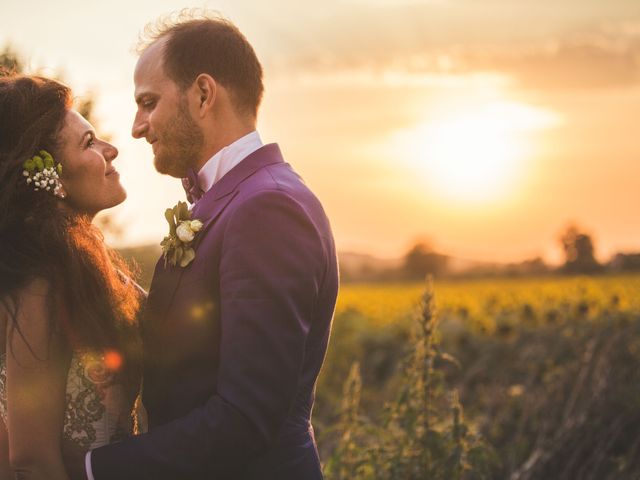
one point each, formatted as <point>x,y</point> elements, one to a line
<point>110,152</point>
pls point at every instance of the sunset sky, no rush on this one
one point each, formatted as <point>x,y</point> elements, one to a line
<point>484,126</point>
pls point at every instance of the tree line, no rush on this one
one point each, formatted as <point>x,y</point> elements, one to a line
<point>422,259</point>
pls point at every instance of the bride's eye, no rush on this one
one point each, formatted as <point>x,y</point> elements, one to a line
<point>91,140</point>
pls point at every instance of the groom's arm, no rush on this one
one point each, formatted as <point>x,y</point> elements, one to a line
<point>272,264</point>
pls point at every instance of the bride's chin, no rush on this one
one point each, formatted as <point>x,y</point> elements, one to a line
<point>122,197</point>
<point>117,198</point>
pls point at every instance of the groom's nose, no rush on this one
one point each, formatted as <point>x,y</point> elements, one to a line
<point>139,127</point>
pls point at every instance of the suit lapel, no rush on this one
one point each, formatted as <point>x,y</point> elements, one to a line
<point>267,155</point>
<point>167,279</point>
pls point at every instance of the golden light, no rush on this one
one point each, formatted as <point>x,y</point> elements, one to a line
<point>476,155</point>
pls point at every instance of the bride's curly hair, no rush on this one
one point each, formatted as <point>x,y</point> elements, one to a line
<point>40,240</point>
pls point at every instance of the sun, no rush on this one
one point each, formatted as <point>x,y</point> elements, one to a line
<point>478,154</point>
<point>471,156</point>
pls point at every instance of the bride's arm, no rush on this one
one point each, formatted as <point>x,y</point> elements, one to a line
<point>36,385</point>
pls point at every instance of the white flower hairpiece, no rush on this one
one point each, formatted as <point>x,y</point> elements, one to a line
<point>43,173</point>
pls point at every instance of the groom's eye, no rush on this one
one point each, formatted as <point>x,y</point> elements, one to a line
<point>146,102</point>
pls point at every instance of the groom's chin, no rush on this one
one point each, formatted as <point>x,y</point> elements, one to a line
<point>172,163</point>
<point>164,167</point>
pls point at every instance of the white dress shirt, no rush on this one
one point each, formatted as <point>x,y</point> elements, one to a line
<point>227,158</point>
<point>212,171</point>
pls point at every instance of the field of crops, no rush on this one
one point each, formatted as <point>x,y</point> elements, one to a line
<point>485,303</point>
<point>546,370</point>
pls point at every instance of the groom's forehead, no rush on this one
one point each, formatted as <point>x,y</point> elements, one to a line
<point>150,64</point>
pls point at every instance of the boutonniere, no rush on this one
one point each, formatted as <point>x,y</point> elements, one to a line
<point>176,247</point>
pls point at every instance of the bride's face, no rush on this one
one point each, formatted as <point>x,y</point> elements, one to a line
<point>89,179</point>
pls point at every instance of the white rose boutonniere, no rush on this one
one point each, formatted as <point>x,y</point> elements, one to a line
<point>177,246</point>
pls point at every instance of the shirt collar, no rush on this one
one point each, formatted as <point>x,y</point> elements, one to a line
<point>227,158</point>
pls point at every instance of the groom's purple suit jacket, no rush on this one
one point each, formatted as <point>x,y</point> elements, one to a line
<point>234,341</point>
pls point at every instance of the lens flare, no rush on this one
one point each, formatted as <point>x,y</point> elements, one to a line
<point>113,360</point>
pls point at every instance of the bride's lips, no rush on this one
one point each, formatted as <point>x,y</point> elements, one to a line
<point>112,172</point>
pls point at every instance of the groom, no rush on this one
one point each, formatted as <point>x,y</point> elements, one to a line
<point>234,341</point>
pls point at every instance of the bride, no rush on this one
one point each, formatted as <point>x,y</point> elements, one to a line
<point>70,358</point>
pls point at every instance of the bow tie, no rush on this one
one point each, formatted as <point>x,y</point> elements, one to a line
<point>191,187</point>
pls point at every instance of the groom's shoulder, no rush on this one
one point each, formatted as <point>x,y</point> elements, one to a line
<point>277,182</point>
<point>283,201</point>
<point>273,179</point>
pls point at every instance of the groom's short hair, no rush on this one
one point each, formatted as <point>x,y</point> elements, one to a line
<point>212,45</point>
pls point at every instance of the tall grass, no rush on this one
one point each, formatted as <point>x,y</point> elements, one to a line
<point>545,396</point>
<point>410,440</point>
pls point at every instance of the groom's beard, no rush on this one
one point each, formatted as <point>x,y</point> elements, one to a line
<point>180,143</point>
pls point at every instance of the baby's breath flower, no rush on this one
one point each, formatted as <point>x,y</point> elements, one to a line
<point>43,172</point>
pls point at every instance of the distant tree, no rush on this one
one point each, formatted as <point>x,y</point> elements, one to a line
<point>421,260</point>
<point>532,266</point>
<point>84,106</point>
<point>579,251</point>
<point>625,262</point>
<point>10,61</point>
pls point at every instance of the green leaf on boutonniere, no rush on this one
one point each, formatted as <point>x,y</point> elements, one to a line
<point>177,255</point>
<point>168,214</point>
<point>187,257</point>
<point>182,212</point>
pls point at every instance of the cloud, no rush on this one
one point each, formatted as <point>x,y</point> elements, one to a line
<point>609,57</point>
<point>603,56</point>
<point>396,3</point>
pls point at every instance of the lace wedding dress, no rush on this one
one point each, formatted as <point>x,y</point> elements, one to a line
<point>102,405</point>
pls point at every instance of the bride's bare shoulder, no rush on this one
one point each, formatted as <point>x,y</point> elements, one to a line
<point>32,330</point>
<point>29,305</point>
<point>36,288</point>
<point>32,296</point>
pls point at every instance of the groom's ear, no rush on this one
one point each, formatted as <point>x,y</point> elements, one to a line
<point>205,89</point>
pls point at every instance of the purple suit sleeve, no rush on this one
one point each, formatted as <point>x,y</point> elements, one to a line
<point>271,267</point>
